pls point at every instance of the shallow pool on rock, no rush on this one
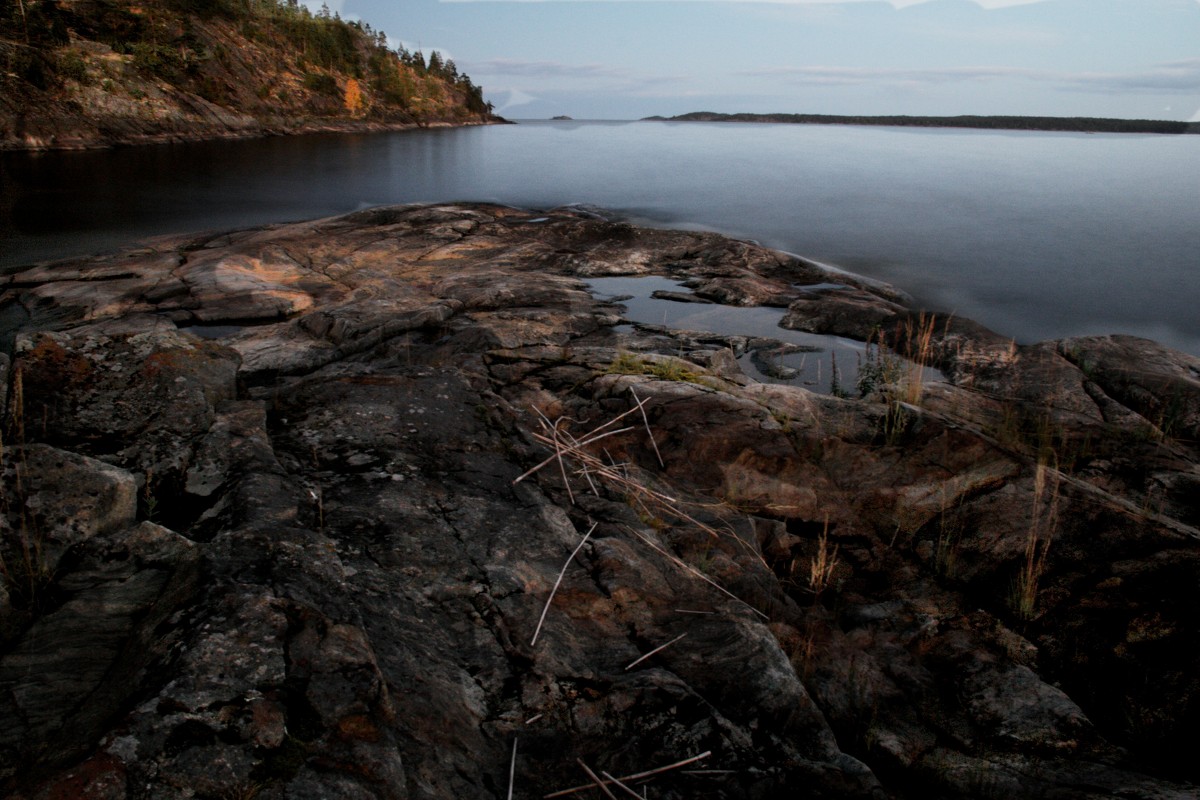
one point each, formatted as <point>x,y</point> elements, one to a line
<point>815,361</point>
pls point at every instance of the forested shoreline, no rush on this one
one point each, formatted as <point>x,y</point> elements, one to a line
<point>1076,124</point>
<point>101,72</point>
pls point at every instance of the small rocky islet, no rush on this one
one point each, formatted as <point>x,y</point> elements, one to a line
<point>389,505</point>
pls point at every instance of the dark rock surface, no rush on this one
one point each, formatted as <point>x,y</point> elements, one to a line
<point>269,530</point>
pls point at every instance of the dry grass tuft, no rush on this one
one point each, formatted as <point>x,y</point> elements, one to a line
<point>823,564</point>
<point>1042,524</point>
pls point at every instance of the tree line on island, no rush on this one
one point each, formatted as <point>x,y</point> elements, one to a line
<point>268,59</point>
<point>1021,123</point>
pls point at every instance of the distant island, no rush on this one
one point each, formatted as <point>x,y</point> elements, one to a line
<point>1077,124</point>
<point>562,117</point>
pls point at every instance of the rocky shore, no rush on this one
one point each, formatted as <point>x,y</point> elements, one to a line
<point>390,506</point>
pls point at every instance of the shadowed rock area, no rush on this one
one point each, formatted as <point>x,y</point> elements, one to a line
<point>389,506</point>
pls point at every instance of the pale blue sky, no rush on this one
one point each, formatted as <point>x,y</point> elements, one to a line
<point>626,59</point>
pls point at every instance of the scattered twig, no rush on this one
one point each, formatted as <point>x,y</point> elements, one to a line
<point>709,772</point>
<point>689,611</point>
<point>534,719</point>
<point>596,779</point>
<point>561,574</point>
<point>641,404</point>
<point>592,437</point>
<point>629,778</point>
<point>512,769</point>
<point>617,782</point>
<point>681,563</point>
<point>660,648</point>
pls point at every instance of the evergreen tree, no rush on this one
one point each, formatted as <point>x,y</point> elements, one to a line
<point>435,64</point>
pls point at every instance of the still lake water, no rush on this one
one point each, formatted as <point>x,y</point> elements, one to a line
<point>1037,235</point>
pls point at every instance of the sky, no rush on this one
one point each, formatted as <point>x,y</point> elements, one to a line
<point>628,59</point>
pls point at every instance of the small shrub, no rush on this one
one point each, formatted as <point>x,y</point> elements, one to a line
<point>877,369</point>
<point>72,66</point>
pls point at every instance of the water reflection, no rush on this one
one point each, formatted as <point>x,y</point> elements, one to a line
<point>827,364</point>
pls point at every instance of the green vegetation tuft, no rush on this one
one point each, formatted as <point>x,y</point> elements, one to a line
<point>667,369</point>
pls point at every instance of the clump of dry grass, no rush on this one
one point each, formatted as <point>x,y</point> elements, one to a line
<point>1042,524</point>
<point>823,564</point>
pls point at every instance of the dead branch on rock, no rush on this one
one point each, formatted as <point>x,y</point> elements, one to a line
<point>596,780</point>
<point>589,465</point>
<point>512,769</point>
<point>561,573</point>
<point>592,468</point>
<point>658,649</point>
<point>628,778</point>
<point>679,562</point>
<point>616,782</point>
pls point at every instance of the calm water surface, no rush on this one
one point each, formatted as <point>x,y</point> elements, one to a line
<point>1038,235</point>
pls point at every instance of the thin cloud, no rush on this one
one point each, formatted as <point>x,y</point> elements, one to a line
<point>849,76</point>
<point>618,79</point>
<point>1174,77</point>
<point>1181,77</point>
<point>515,98</point>
<point>547,69</point>
<point>989,4</point>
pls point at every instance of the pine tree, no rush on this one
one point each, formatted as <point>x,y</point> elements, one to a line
<point>435,64</point>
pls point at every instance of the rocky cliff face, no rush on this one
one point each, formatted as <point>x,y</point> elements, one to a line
<point>93,73</point>
<point>389,506</point>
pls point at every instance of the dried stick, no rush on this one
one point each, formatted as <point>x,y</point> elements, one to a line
<point>646,421</point>
<point>617,782</point>
<point>512,769</point>
<point>629,778</point>
<point>548,459</point>
<point>561,574</point>
<point>595,778</point>
<point>558,451</point>
<point>655,650</point>
<point>591,437</point>
<point>681,563</point>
